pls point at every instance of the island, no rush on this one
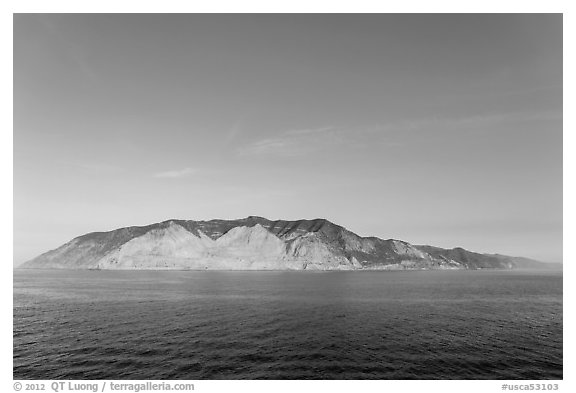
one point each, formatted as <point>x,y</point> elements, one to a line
<point>256,243</point>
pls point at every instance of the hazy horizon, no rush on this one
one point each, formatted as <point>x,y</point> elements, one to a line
<point>439,129</point>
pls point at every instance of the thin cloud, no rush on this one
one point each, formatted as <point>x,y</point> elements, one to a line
<point>280,146</point>
<point>308,131</point>
<point>479,120</point>
<point>176,174</point>
<point>293,143</point>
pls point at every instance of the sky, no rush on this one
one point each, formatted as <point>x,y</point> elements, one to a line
<point>439,129</point>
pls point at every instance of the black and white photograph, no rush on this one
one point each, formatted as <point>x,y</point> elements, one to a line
<point>287,196</point>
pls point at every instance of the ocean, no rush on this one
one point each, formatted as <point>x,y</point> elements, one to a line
<point>287,325</point>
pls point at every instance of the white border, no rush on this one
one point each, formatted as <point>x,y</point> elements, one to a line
<point>300,6</point>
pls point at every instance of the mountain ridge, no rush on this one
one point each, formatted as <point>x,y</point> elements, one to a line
<point>256,243</point>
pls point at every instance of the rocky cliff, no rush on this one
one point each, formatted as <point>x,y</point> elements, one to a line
<point>255,243</point>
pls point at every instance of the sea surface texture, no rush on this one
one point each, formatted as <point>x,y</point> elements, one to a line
<point>287,325</point>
